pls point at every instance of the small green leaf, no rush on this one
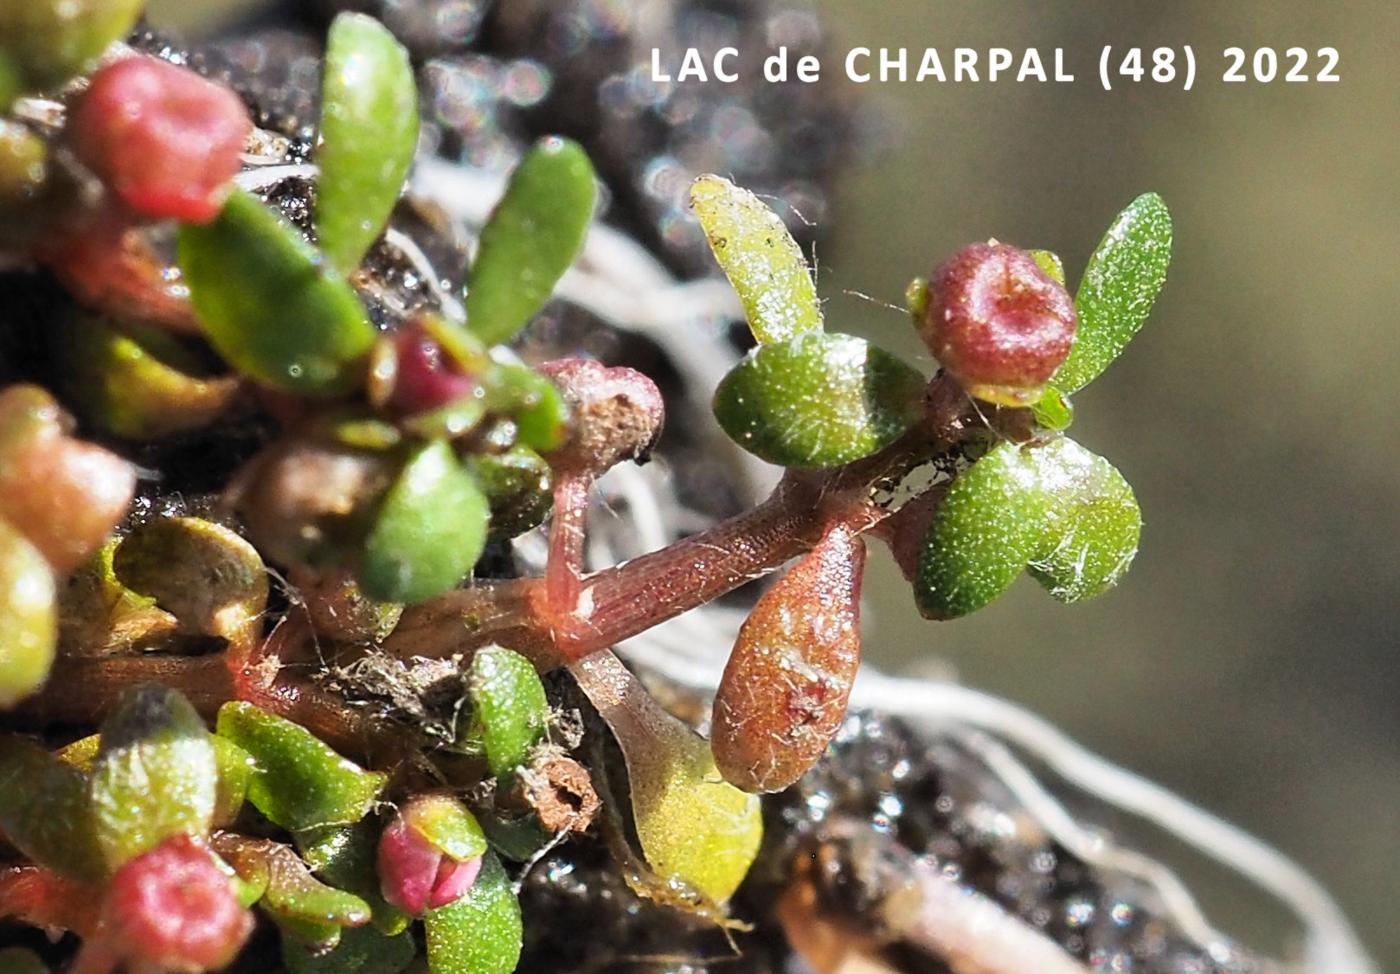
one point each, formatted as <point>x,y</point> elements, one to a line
<point>517,485</point>
<point>535,233</point>
<point>1054,507</point>
<point>344,856</point>
<point>818,400</point>
<point>155,774</point>
<point>1118,290</point>
<point>269,306</point>
<point>760,258</point>
<point>308,909</point>
<point>300,782</point>
<point>361,950</point>
<point>52,40</point>
<point>536,405</point>
<point>1094,523</point>
<point>430,530</point>
<point>44,811</point>
<point>509,708</point>
<point>236,768</point>
<point>987,528</point>
<point>30,616</point>
<point>1053,410</point>
<point>481,933</point>
<point>137,389</point>
<point>369,131</point>
<point>446,825</point>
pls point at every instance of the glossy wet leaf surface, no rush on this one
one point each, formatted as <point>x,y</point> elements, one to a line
<point>369,131</point>
<point>1053,507</point>
<point>534,234</point>
<point>344,856</point>
<point>760,258</point>
<point>300,783</point>
<point>818,400</point>
<point>270,306</point>
<point>509,708</point>
<point>429,532</point>
<point>1120,285</point>
<point>482,932</point>
<point>312,911</point>
<point>27,605</point>
<point>155,774</point>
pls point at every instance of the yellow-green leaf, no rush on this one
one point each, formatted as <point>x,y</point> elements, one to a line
<point>760,258</point>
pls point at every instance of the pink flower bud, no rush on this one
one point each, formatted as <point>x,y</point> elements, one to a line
<point>416,873</point>
<point>426,377</point>
<point>163,139</point>
<point>173,908</point>
<point>998,323</point>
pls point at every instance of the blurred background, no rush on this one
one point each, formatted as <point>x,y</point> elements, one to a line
<point>1250,659</point>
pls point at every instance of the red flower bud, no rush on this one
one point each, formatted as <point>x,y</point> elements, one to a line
<point>163,139</point>
<point>417,871</point>
<point>426,377</point>
<point>173,908</point>
<point>998,323</point>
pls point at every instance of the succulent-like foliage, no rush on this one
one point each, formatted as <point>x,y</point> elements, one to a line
<point>533,236</point>
<point>369,131</point>
<point>1118,289</point>
<point>269,306</point>
<point>390,437</point>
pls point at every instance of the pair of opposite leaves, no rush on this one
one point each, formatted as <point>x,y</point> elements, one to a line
<point>807,398</point>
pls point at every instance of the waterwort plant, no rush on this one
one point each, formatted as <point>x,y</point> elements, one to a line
<point>220,785</point>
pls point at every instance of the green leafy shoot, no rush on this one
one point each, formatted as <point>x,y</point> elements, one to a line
<point>509,708</point>
<point>369,131</point>
<point>430,530</point>
<point>1055,508</point>
<point>300,783</point>
<point>818,400</point>
<point>534,234</point>
<point>760,258</point>
<point>1119,287</point>
<point>269,306</point>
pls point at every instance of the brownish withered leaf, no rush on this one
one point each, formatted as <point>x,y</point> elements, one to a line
<point>786,685</point>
